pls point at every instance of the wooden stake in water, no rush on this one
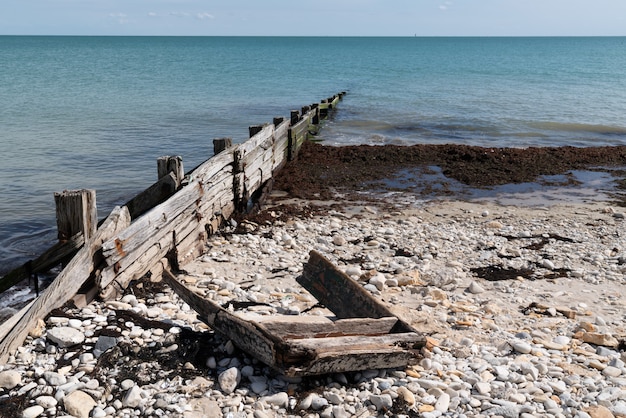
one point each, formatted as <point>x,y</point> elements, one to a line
<point>76,213</point>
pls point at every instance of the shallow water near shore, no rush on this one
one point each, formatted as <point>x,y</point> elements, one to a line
<point>96,112</point>
<point>574,187</point>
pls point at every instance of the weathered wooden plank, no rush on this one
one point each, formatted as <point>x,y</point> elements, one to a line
<point>323,109</point>
<point>144,261</point>
<point>298,133</point>
<point>328,350</point>
<point>332,288</point>
<point>298,327</point>
<point>153,223</point>
<point>154,195</point>
<point>67,283</point>
<point>358,343</point>
<point>55,255</point>
<point>245,335</point>
<point>352,361</point>
<point>138,261</point>
<point>156,226</point>
<point>256,176</point>
<point>281,146</point>
<point>214,165</point>
<point>260,139</point>
<point>184,233</point>
<point>262,155</point>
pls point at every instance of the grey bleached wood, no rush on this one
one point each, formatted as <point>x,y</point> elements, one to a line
<point>244,334</point>
<point>297,327</point>
<point>156,221</point>
<point>67,283</point>
<point>332,288</point>
<point>76,212</point>
<point>281,146</point>
<point>130,255</point>
<point>307,346</point>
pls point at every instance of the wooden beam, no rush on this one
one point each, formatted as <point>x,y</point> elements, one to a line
<point>307,346</point>
<point>67,283</point>
<point>302,327</point>
<point>332,288</point>
<point>246,336</point>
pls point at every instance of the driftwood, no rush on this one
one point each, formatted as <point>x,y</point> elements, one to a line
<point>66,285</point>
<point>301,345</point>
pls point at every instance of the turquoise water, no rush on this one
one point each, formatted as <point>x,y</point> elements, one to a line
<point>96,112</point>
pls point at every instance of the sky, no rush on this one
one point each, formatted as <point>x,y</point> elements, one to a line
<point>314,18</point>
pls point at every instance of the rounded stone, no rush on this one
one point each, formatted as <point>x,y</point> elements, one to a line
<point>475,288</point>
<point>381,402</point>
<point>79,404</point>
<point>229,379</point>
<point>33,411</point>
<point>65,336</point>
<point>521,347</point>
<point>10,379</point>
<point>46,402</point>
<point>280,399</point>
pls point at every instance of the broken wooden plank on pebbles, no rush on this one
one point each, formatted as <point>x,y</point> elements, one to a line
<point>334,289</point>
<point>298,327</point>
<point>301,345</point>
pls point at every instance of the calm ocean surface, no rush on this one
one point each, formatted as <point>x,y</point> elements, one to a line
<point>96,112</point>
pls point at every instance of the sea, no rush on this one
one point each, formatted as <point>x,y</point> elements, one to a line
<point>96,112</point>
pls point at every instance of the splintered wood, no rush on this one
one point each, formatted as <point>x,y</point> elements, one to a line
<point>362,335</point>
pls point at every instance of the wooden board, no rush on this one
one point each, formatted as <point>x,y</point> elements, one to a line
<point>67,283</point>
<point>343,296</point>
<point>301,345</point>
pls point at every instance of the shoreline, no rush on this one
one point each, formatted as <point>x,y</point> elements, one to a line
<point>515,347</point>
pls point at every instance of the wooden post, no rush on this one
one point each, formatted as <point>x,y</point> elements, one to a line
<point>76,213</point>
<point>278,120</point>
<point>295,117</point>
<point>170,164</point>
<point>305,109</point>
<point>221,144</point>
<point>316,117</point>
<point>253,130</point>
<point>323,110</point>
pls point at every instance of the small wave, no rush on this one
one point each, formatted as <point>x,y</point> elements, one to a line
<point>580,127</point>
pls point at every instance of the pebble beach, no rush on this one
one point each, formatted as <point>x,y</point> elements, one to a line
<point>524,309</point>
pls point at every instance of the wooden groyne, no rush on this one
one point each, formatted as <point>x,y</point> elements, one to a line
<point>165,225</point>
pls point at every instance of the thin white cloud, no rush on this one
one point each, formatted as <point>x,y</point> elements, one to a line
<point>205,15</point>
<point>180,14</point>
<point>183,15</point>
<point>445,6</point>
